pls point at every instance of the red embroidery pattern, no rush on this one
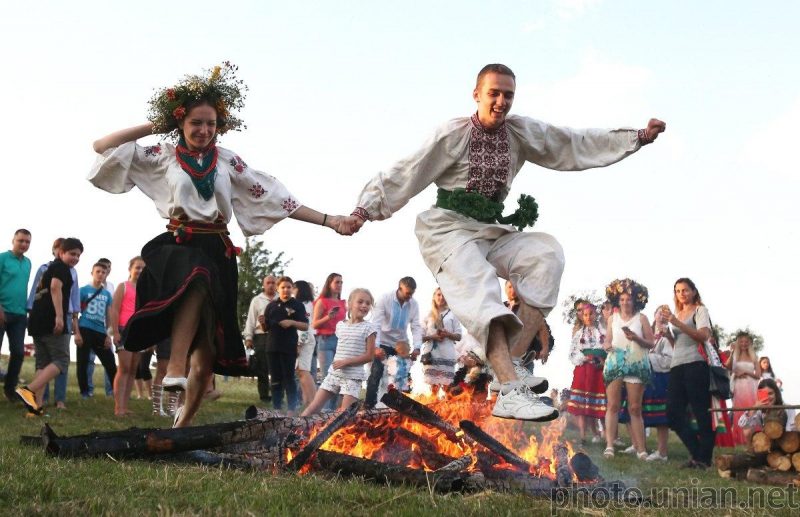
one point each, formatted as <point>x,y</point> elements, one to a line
<point>238,164</point>
<point>489,160</point>
<point>289,204</point>
<point>257,190</point>
<point>152,150</point>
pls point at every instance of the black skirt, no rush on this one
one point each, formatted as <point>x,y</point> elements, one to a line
<point>170,268</point>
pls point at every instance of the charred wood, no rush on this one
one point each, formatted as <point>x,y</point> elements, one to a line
<point>315,443</point>
<point>483,438</point>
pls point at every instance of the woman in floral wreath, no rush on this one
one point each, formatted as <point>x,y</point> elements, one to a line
<point>188,290</point>
<point>587,395</point>
<point>628,338</point>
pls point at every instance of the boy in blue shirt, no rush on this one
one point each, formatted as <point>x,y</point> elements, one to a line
<point>90,336</point>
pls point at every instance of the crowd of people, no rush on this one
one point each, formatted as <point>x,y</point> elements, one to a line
<point>658,375</point>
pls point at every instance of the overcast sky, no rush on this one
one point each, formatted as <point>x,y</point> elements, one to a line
<point>341,90</point>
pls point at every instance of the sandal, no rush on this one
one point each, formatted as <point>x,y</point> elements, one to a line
<point>608,453</point>
<point>642,455</point>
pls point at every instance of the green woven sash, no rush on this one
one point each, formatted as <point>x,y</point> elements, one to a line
<point>483,209</point>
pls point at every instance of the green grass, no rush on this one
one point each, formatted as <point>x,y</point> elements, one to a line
<point>32,483</point>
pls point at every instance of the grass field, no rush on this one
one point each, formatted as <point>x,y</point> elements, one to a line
<point>34,484</point>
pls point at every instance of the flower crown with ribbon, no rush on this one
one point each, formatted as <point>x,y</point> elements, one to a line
<point>220,88</point>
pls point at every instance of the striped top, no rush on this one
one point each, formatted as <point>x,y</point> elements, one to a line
<point>352,342</point>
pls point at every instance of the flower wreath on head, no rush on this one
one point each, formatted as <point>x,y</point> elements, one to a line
<point>575,303</point>
<point>220,88</point>
<point>757,339</point>
<point>625,285</point>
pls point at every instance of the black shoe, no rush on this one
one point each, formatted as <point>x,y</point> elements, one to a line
<point>688,465</point>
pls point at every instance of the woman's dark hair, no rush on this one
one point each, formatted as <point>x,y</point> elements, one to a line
<point>304,292</point>
<point>771,384</point>
<point>326,289</point>
<point>770,364</point>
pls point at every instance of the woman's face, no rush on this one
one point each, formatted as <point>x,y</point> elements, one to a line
<point>744,342</point>
<point>685,294</point>
<point>199,127</point>
<point>771,398</point>
<point>607,310</point>
<point>626,303</point>
<point>764,363</point>
<point>438,299</point>
<point>136,269</point>
<point>587,316</point>
<point>285,290</point>
<point>511,294</point>
<point>336,285</point>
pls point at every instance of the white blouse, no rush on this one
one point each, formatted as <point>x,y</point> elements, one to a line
<point>258,200</point>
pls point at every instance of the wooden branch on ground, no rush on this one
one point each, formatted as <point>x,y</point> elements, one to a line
<point>770,477</point>
<point>483,438</point>
<point>740,461</point>
<point>139,442</point>
<point>584,468</point>
<point>315,443</point>
<point>563,471</point>
<point>441,481</point>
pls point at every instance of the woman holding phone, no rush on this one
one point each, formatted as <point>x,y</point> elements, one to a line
<point>628,338</point>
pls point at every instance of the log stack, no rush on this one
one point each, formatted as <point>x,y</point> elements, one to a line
<point>774,457</point>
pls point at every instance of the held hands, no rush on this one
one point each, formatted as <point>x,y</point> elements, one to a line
<point>345,224</point>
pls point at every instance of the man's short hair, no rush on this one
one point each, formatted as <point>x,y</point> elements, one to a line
<point>494,68</point>
<point>100,264</point>
<point>71,243</point>
<point>23,231</point>
<point>103,262</point>
<point>408,282</point>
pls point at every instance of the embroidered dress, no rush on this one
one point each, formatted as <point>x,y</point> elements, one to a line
<point>175,260</point>
<point>587,395</point>
<point>442,366</point>
<point>466,255</point>
<point>626,360</point>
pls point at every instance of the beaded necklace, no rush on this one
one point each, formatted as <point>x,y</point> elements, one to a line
<point>201,166</point>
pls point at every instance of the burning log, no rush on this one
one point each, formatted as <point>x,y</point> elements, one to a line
<point>413,409</point>
<point>774,424</point>
<point>137,442</point>
<point>767,477</point>
<point>461,464</point>
<point>477,434</point>
<point>584,468</point>
<point>530,485</point>
<point>337,423</point>
<point>760,442</point>
<point>563,472</point>
<point>779,461</point>
<point>443,481</point>
<point>740,461</point>
<point>789,442</point>
<point>427,451</point>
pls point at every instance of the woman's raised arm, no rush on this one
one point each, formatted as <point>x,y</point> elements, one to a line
<point>122,136</point>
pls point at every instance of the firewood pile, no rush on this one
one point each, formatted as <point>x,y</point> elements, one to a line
<point>409,443</point>
<point>773,457</point>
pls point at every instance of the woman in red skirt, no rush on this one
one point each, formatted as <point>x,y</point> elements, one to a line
<point>587,395</point>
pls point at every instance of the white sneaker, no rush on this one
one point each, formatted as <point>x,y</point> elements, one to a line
<point>629,450</point>
<point>522,404</point>
<point>537,384</point>
<point>655,456</point>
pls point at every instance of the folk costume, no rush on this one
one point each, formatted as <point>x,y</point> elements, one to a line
<point>587,395</point>
<point>463,241</point>
<point>439,357</point>
<point>196,247</point>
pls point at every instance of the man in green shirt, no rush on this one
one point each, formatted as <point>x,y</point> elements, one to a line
<point>15,270</point>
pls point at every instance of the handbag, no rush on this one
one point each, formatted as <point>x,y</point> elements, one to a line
<point>719,382</point>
